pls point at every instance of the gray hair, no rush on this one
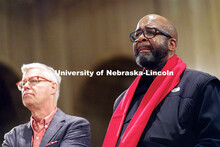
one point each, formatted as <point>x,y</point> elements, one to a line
<point>50,73</point>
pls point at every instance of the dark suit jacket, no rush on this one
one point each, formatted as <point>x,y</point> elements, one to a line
<point>64,130</point>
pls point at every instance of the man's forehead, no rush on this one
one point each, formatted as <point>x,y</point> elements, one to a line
<point>33,72</point>
<point>147,21</point>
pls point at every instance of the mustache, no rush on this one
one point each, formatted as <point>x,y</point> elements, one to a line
<point>148,46</point>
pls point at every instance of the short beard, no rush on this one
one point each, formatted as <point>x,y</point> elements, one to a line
<point>146,60</point>
<point>151,60</point>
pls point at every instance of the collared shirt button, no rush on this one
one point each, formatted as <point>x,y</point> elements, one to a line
<point>37,137</point>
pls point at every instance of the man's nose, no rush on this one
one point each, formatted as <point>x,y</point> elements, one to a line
<point>142,38</point>
<point>26,86</point>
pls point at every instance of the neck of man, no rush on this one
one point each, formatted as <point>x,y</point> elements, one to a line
<point>159,66</point>
<point>39,113</point>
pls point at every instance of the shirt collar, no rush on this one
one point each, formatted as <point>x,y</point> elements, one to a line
<point>44,121</point>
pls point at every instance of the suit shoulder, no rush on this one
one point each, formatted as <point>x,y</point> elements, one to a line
<point>201,78</point>
<point>73,119</point>
<point>193,82</point>
<point>77,119</point>
<point>77,123</point>
<point>17,128</point>
<point>118,100</point>
<point>198,74</point>
<point>11,136</point>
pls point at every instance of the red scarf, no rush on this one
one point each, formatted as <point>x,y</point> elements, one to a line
<point>157,91</point>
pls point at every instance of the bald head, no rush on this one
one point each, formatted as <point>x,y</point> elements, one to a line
<point>160,22</point>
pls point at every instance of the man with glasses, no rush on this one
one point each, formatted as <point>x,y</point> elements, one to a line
<point>48,125</point>
<point>181,110</point>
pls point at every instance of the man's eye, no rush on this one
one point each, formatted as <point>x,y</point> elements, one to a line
<point>137,34</point>
<point>149,32</point>
<point>33,81</point>
<point>23,83</point>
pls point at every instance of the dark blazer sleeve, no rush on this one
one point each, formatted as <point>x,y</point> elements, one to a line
<point>78,134</point>
<point>18,137</point>
<point>8,140</point>
<point>208,120</point>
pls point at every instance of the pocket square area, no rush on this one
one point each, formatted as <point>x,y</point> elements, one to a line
<point>50,143</point>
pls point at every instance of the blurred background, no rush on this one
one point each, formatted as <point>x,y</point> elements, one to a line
<point>77,35</point>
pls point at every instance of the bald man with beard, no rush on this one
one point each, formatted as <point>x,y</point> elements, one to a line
<point>178,110</point>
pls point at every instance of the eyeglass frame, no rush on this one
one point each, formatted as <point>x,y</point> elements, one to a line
<point>142,32</point>
<point>44,79</point>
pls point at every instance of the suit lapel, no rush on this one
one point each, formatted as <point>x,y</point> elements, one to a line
<point>55,125</point>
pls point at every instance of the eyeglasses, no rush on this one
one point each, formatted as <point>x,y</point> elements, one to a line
<point>31,81</point>
<point>148,33</point>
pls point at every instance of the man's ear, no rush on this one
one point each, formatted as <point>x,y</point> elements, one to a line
<point>172,44</point>
<point>54,87</point>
